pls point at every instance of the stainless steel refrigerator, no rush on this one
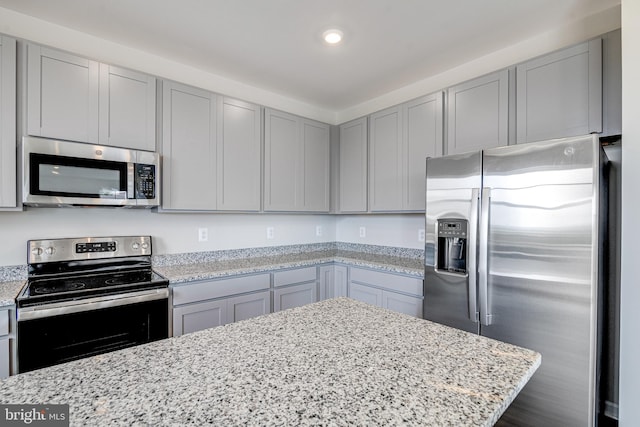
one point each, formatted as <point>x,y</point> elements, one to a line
<point>513,252</point>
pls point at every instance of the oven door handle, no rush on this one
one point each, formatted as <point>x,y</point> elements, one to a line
<point>96,303</point>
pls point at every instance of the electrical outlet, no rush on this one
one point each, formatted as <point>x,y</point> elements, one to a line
<point>203,234</point>
<point>421,235</point>
<point>363,232</point>
<point>318,230</point>
<point>270,233</point>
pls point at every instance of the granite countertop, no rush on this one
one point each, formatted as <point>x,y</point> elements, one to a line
<point>9,291</point>
<point>336,362</point>
<point>214,269</point>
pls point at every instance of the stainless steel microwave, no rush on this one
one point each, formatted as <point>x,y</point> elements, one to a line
<point>62,173</point>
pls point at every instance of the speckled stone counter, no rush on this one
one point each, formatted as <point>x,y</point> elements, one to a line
<point>199,266</point>
<point>9,291</point>
<point>336,362</point>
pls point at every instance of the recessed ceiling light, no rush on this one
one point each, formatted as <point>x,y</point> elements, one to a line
<point>332,36</point>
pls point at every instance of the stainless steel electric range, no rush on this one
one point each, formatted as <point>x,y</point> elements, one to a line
<point>88,296</point>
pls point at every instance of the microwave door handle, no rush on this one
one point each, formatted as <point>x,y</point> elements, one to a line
<point>131,167</point>
<point>472,251</point>
<point>483,248</point>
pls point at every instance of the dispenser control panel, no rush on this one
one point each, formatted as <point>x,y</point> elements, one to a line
<point>452,245</point>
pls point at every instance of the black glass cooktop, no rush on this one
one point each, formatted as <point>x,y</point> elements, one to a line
<point>41,291</point>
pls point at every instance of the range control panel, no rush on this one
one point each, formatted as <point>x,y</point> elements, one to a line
<point>54,250</point>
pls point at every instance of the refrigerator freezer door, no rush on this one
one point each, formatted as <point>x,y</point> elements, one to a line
<point>453,184</point>
<point>542,267</point>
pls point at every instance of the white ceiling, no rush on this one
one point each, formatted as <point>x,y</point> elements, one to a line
<point>275,45</point>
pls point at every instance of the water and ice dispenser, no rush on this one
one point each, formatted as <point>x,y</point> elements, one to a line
<point>452,245</point>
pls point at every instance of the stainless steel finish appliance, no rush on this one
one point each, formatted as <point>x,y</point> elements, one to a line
<point>513,252</point>
<point>62,173</point>
<point>88,296</point>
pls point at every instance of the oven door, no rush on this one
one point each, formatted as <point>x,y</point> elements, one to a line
<point>47,337</point>
<point>67,173</point>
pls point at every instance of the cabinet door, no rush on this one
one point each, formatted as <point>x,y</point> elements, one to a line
<point>315,166</point>
<point>62,95</point>
<point>7,122</point>
<point>353,166</point>
<point>333,281</point>
<point>199,316</point>
<point>294,296</point>
<point>188,148</point>
<point>385,160</point>
<point>248,306</point>
<point>5,358</point>
<point>281,161</point>
<point>402,303</point>
<point>127,108</point>
<point>239,155</point>
<point>478,113</point>
<point>422,138</point>
<point>560,94</point>
<point>366,294</point>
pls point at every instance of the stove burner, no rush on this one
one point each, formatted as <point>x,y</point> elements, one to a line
<point>126,279</point>
<point>59,287</point>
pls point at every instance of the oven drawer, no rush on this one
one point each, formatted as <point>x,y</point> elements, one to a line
<point>4,322</point>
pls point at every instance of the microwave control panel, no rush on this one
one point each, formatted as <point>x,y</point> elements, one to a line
<point>145,181</point>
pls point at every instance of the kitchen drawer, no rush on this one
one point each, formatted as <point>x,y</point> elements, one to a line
<point>392,282</point>
<point>201,291</point>
<point>4,322</point>
<point>299,275</point>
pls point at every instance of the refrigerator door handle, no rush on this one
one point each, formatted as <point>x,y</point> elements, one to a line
<point>472,248</point>
<point>483,249</point>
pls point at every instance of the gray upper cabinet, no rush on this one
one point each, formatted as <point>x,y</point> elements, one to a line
<point>296,163</point>
<point>238,155</point>
<point>401,138</point>
<point>188,148</point>
<point>127,108</point>
<point>478,113</point>
<point>7,122</point>
<point>62,95</point>
<point>316,168</point>
<point>385,160</point>
<point>73,98</point>
<point>422,138</point>
<point>560,94</point>
<point>353,166</point>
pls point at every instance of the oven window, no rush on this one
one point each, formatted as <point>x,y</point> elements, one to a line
<point>75,177</point>
<point>51,340</point>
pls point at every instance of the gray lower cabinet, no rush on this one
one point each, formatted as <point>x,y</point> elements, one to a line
<point>199,316</point>
<point>478,113</point>
<point>560,94</point>
<point>210,303</point>
<point>247,306</point>
<point>8,184</point>
<point>188,148</point>
<point>333,281</point>
<point>296,287</point>
<point>73,98</point>
<point>396,292</point>
<point>353,166</point>
<point>6,341</point>
<point>296,163</point>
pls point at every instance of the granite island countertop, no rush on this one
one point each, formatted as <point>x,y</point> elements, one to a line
<point>336,362</point>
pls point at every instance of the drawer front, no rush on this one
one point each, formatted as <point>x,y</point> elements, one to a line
<point>299,275</point>
<point>201,291</point>
<point>4,322</point>
<point>392,282</point>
